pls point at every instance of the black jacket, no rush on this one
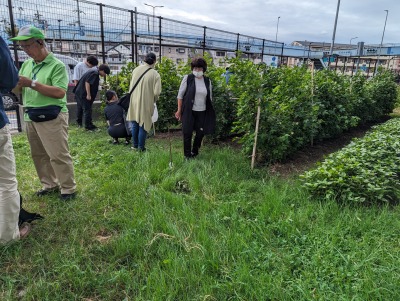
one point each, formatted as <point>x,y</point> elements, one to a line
<point>187,105</point>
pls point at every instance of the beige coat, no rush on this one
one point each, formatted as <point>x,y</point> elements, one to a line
<point>144,96</point>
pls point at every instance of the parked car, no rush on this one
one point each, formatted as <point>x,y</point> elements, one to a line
<point>10,101</point>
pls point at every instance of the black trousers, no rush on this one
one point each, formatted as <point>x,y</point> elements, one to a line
<point>198,118</point>
<point>119,131</point>
<point>84,109</point>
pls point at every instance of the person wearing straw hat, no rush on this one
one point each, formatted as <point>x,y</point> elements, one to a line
<point>43,82</point>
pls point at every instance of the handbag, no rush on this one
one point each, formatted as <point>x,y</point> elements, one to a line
<point>41,114</point>
<point>125,100</point>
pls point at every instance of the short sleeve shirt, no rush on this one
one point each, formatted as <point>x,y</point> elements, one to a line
<point>51,71</point>
<point>92,77</point>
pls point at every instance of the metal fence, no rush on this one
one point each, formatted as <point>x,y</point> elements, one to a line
<point>96,28</point>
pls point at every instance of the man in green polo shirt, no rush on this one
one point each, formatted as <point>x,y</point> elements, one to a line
<point>43,82</point>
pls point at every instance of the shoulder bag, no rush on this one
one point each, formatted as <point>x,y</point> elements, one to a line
<point>126,98</point>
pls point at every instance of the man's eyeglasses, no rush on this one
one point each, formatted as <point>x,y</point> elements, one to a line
<point>26,46</point>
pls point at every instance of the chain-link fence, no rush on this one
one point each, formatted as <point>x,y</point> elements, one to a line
<point>80,28</point>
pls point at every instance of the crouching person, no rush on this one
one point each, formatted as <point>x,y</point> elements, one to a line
<point>115,116</point>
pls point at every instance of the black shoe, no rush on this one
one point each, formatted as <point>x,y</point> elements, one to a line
<point>79,125</point>
<point>44,192</point>
<point>115,141</point>
<point>194,154</point>
<point>142,149</point>
<point>127,142</point>
<point>67,196</point>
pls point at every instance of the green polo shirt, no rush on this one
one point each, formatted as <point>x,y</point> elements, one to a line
<point>51,71</point>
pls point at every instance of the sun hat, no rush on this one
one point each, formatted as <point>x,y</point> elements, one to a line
<point>28,32</point>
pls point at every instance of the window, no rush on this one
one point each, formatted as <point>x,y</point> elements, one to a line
<point>92,46</point>
<point>76,46</point>
<point>180,50</point>
<point>178,61</point>
<point>169,50</point>
<point>220,53</point>
<point>156,49</point>
<point>58,45</point>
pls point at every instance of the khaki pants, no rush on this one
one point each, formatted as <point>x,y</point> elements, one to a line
<point>9,196</point>
<point>50,153</point>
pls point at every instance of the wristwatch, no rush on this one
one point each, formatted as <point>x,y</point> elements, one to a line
<point>33,83</point>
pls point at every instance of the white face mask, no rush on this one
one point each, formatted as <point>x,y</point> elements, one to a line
<point>198,73</point>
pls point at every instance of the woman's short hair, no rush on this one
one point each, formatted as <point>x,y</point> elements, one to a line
<point>150,58</point>
<point>110,94</point>
<point>199,62</point>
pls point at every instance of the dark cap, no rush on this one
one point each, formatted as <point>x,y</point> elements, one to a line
<point>150,58</point>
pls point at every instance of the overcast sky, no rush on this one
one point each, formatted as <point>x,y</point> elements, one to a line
<point>311,20</point>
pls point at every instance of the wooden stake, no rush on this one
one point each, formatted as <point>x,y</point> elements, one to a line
<point>312,100</point>
<point>253,156</point>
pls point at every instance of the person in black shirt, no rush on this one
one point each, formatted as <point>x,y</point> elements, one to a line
<point>85,94</point>
<point>115,119</point>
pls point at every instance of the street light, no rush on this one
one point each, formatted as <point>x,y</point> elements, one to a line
<point>276,35</point>
<point>277,27</point>
<point>380,47</point>
<point>353,39</point>
<point>154,12</point>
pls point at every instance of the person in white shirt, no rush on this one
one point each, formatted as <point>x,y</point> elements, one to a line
<point>83,67</point>
<point>195,108</point>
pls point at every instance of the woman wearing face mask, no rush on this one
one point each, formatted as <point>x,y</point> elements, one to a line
<point>195,109</point>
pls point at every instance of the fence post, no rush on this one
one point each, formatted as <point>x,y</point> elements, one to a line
<point>103,48</point>
<point>132,38</point>
<point>237,45</point>
<point>136,39</point>
<point>159,44</point>
<point>204,39</point>
<point>12,24</point>
<point>262,50</point>
<point>253,156</point>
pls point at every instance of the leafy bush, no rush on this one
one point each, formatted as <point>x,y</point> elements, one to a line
<point>366,171</point>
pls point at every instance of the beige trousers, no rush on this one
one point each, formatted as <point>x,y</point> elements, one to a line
<point>50,153</point>
<point>9,196</point>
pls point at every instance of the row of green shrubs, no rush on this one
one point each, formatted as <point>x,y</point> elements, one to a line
<point>297,107</point>
<point>365,171</point>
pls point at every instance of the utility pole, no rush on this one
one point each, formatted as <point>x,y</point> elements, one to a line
<point>380,47</point>
<point>334,30</point>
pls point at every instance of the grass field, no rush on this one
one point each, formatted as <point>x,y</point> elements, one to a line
<point>207,229</point>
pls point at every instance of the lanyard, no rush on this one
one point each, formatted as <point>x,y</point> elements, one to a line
<point>34,74</point>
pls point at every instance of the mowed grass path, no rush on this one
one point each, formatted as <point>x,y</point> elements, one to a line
<point>207,229</point>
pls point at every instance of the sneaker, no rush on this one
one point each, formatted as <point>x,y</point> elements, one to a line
<point>194,155</point>
<point>47,191</point>
<point>142,149</point>
<point>115,141</point>
<point>127,142</point>
<point>67,196</point>
<point>134,148</point>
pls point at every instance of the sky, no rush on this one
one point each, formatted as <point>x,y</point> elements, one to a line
<point>300,20</point>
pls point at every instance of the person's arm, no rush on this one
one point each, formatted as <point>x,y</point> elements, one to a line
<point>87,88</point>
<point>181,93</point>
<point>157,88</point>
<point>46,90</point>
<point>9,74</point>
<point>178,113</point>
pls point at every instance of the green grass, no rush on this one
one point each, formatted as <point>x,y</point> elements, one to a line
<point>207,229</point>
